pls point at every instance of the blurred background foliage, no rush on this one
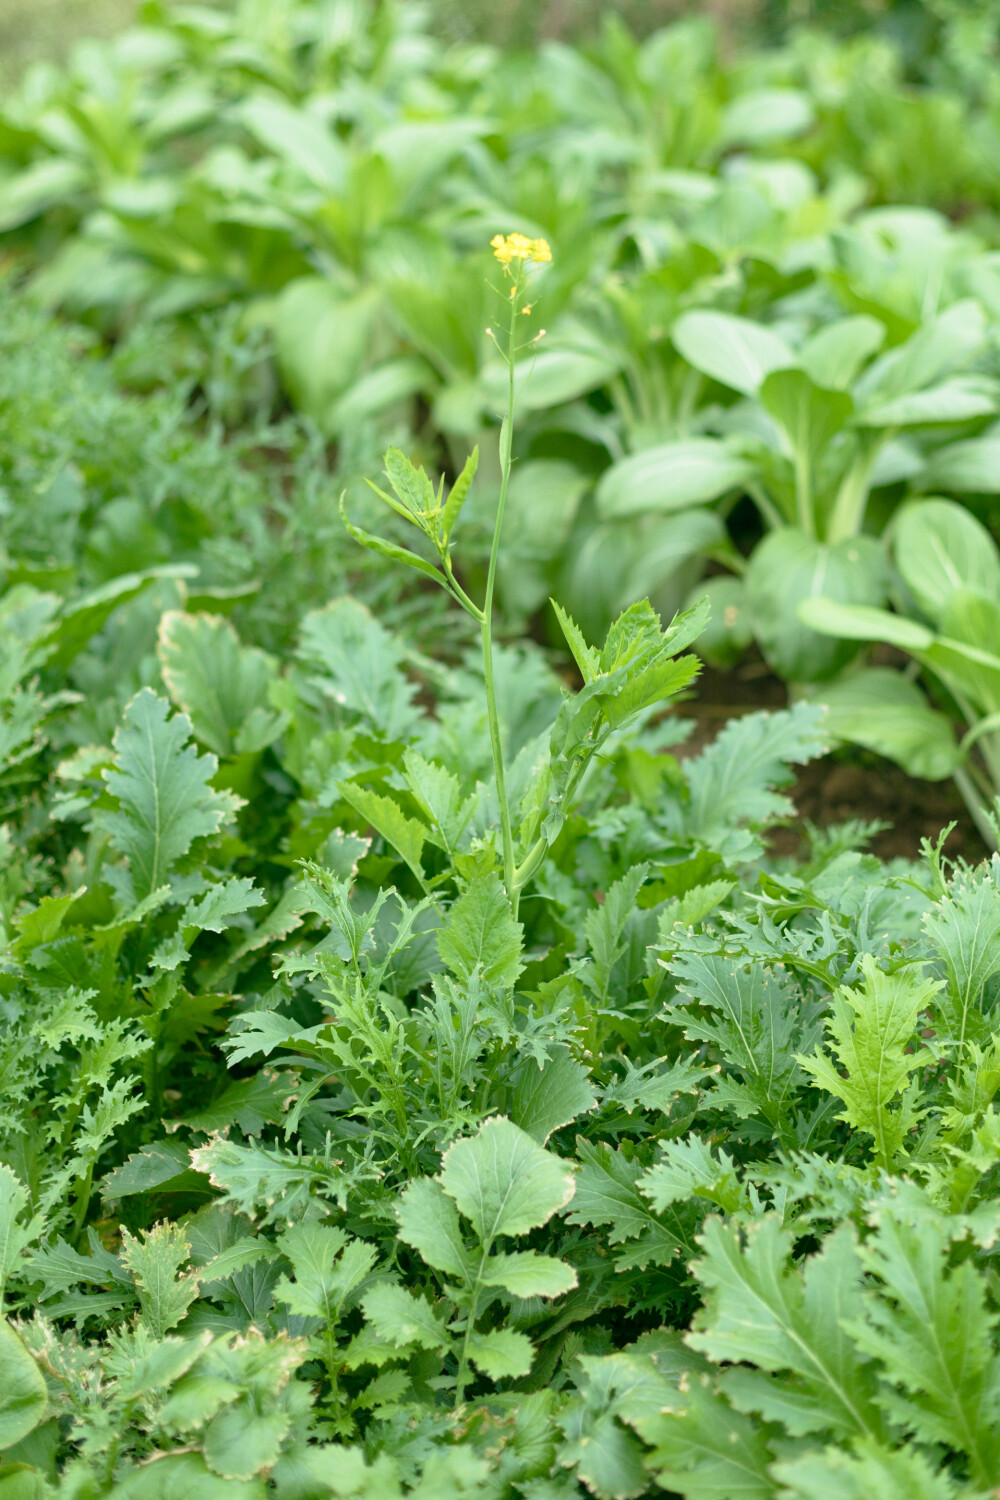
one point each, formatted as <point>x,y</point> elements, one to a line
<point>34,29</point>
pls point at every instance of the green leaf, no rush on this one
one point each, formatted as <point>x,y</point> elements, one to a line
<point>184,1476</point>
<point>457,495</point>
<point>403,1319</point>
<point>250,1103</point>
<point>411,485</point>
<point>403,833</point>
<point>606,1457</point>
<point>152,1167</point>
<point>833,355</point>
<point>241,1440</point>
<point>887,712</point>
<point>299,138</point>
<point>220,684</point>
<point>15,1236</point>
<point>765,116</point>
<point>155,1262</point>
<point>502,1354</point>
<point>941,550</point>
<point>856,622</point>
<point>361,666</point>
<point>323,341</point>
<point>757,1021</point>
<point>391,550</point>
<point>428,1221</point>
<point>549,379</point>
<point>670,477</point>
<point>810,415</point>
<point>705,1450</point>
<point>503,1182</point>
<point>439,793</point>
<point>525,1273</point>
<point>970,467</point>
<point>607,1194</point>
<point>480,933</point>
<point>90,612</point>
<point>932,1331</point>
<point>936,347</point>
<point>46,182</point>
<point>328,1267</point>
<point>545,1098</point>
<point>587,658</point>
<point>958,400</point>
<point>688,1169</point>
<point>735,351</point>
<point>23,1394</point>
<point>732,782</point>
<point>869,1469</point>
<point>787,1323</point>
<point>162,789</point>
<point>963,931</point>
<point>604,928</point>
<point>871,1031</point>
<point>788,568</point>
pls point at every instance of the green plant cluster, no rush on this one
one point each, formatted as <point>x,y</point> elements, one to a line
<point>323,1174</point>
<point>771,316</point>
<point>418,1076</point>
<point>418,1080</point>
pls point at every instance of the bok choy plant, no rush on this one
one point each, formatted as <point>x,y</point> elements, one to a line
<point>947,619</point>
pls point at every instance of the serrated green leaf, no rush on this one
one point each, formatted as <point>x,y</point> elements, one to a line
<point>457,496</point>
<point>328,1267</point>
<point>788,1323</point>
<point>871,1469</point>
<point>503,1182</point>
<point>428,1221</point>
<point>479,932</point>
<point>218,682</point>
<point>871,1032</point>
<point>932,1331</point>
<point>161,786</point>
<point>607,1194</point>
<point>403,833</point>
<point>15,1236</point>
<point>403,1319</point>
<point>155,1261</point>
<point>547,1097</point>
<point>502,1354</point>
<point>687,1169</point>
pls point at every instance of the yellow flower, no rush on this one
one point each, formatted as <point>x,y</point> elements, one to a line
<point>518,247</point>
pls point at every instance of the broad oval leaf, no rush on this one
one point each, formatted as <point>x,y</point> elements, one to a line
<point>787,568</point>
<point>670,477</point>
<point>735,351</point>
<point>940,549</point>
<point>766,116</point>
<point>970,467</point>
<point>23,1395</point>
<point>886,712</point>
<point>833,356</point>
<point>550,378</point>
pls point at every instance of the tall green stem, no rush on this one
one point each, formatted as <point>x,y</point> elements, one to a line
<point>486,628</point>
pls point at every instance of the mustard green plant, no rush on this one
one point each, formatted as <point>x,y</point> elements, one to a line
<point>416,500</point>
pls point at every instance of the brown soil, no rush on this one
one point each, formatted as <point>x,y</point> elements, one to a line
<point>849,783</point>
